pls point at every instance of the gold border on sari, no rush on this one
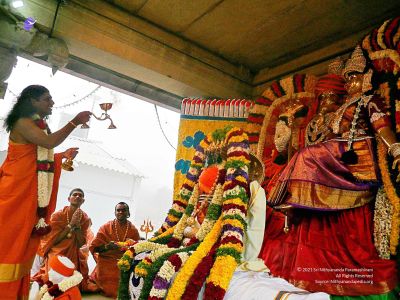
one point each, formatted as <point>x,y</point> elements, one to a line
<point>13,272</point>
<point>318,196</point>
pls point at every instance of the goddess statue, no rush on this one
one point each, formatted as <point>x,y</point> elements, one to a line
<point>333,184</point>
<point>329,92</point>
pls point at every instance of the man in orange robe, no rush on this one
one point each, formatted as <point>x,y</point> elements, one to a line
<point>28,185</point>
<point>69,233</point>
<point>108,252</point>
<point>18,185</point>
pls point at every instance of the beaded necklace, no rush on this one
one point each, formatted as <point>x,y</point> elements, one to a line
<point>116,230</point>
<point>69,235</point>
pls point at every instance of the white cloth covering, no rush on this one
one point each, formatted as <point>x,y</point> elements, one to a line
<point>253,237</point>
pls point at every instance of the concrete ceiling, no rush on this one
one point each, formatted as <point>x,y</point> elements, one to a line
<point>208,48</point>
<point>260,34</point>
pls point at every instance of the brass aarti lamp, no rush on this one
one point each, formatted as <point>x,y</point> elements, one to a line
<point>104,116</point>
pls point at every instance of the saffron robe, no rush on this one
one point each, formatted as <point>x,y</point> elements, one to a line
<point>18,205</point>
<point>67,247</point>
<point>70,294</point>
<point>106,274</point>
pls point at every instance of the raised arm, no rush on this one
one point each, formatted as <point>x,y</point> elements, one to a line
<point>25,129</point>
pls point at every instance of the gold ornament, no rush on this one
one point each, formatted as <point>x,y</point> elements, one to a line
<point>336,66</point>
<point>356,63</point>
<point>190,221</point>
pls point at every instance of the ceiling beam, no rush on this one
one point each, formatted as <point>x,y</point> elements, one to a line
<point>116,40</point>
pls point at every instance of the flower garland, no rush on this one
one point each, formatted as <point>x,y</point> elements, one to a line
<point>164,237</point>
<point>124,246</point>
<point>45,175</point>
<point>179,228</point>
<point>235,187</point>
<point>282,136</point>
<point>179,205</point>
<point>382,224</point>
<point>124,263</point>
<point>155,267</point>
<point>234,209</point>
<point>49,290</point>
<point>182,278</point>
<point>142,268</point>
<point>199,275</point>
<point>213,213</point>
<point>255,120</point>
<point>392,196</point>
<point>164,276</point>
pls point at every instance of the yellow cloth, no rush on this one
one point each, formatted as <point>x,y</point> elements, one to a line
<point>254,234</point>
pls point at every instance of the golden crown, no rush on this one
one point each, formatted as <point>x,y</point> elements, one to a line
<point>336,66</point>
<point>356,63</point>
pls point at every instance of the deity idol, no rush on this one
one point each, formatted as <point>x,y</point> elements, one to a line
<point>333,185</point>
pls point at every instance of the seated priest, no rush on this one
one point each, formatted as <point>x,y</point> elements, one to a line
<point>107,252</point>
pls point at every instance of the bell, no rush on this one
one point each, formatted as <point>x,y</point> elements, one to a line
<point>67,165</point>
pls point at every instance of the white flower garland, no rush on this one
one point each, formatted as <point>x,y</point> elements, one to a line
<point>45,179</point>
<point>63,286</point>
<point>147,246</point>
<point>208,224</point>
<point>179,228</point>
<point>282,136</point>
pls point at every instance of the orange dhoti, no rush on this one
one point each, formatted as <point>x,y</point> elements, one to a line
<point>106,273</point>
<point>18,205</point>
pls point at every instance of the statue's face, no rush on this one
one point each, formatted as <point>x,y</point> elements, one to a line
<point>354,83</point>
<point>328,102</point>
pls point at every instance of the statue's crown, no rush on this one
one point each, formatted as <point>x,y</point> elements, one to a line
<point>356,63</point>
